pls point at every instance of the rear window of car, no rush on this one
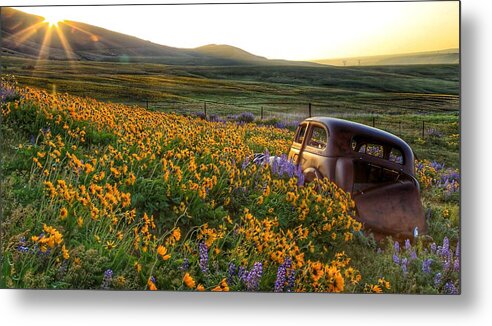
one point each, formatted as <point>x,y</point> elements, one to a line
<point>396,156</point>
<point>377,150</point>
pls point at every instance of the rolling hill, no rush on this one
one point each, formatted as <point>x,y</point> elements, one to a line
<point>23,35</point>
<point>449,56</point>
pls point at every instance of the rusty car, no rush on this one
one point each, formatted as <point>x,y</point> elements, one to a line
<point>374,166</point>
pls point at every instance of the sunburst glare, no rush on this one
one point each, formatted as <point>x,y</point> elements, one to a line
<point>53,19</point>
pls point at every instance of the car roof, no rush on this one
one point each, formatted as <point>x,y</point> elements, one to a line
<point>342,132</point>
<point>336,126</point>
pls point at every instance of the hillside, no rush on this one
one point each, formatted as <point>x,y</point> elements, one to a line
<point>227,51</point>
<point>28,36</point>
<point>449,56</point>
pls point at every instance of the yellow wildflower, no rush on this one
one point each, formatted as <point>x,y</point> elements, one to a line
<point>162,251</point>
<point>65,253</point>
<point>189,281</point>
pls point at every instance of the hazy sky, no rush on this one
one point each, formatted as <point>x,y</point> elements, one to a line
<point>286,31</point>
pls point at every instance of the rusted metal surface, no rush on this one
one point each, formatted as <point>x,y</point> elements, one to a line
<point>376,167</point>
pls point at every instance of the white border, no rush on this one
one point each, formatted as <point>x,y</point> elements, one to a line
<point>168,308</point>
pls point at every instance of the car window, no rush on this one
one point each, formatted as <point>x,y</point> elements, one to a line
<point>318,138</point>
<point>396,156</point>
<point>301,133</point>
<point>371,148</point>
<point>374,150</point>
<point>362,146</point>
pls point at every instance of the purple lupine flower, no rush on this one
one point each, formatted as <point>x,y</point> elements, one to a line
<point>449,177</point>
<point>447,263</point>
<point>404,267</point>
<point>107,278</point>
<point>7,92</point>
<point>275,165</point>
<point>433,248</point>
<point>267,157</point>
<point>437,166</point>
<point>203,253</point>
<point>449,288</point>
<point>300,175</point>
<point>426,265</point>
<point>408,246</point>
<point>22,247</point>
<point>246,117</point>
<point>280,125</point>
<point>185,265</point>
<point>286,124</point>
<point>282,275</point>
<point>245,163</point>
<point>456,265</point>
<point>396,247</point>
<point>437,279</point>
<point>396,259</point>
<point>254,276</point>
<point>242,273</point>
<point>445,253</point>
<point>291,280</point>
<point>445,246</point>
<point>301,179</point>
<point>231,271</point>
<point>413,255</point>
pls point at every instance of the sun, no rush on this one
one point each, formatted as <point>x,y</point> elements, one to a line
<point>53,20</point>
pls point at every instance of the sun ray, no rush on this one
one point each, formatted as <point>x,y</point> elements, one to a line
<point>24,34</point>
<point>66,46</point>
<point>93,36</point>
<point>45,46</point>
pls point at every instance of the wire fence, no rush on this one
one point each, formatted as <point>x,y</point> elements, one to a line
<point>291,113</point>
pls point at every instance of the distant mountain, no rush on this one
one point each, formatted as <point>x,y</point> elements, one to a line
<point>27,35</point>
<point>448,56</point>
<point>228,51</point>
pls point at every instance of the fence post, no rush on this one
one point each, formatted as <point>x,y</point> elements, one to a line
<point>205,108</point>
<point>310,110</point>
<point>374,121</point>
<point>147,104</point>
<point>261,113</point>
<point>423,129</point>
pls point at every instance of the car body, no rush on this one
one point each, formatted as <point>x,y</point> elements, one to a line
<point>376,167</point>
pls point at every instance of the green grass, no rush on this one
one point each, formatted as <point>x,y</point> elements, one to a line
<point>407,89</point>
<point>399,98</point>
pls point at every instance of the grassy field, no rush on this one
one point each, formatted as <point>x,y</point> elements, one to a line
<point>396,98</point>
<point>400,89</point>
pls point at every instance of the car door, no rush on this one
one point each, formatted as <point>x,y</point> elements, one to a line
<point>387,200</point>
<point>296,149</point>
